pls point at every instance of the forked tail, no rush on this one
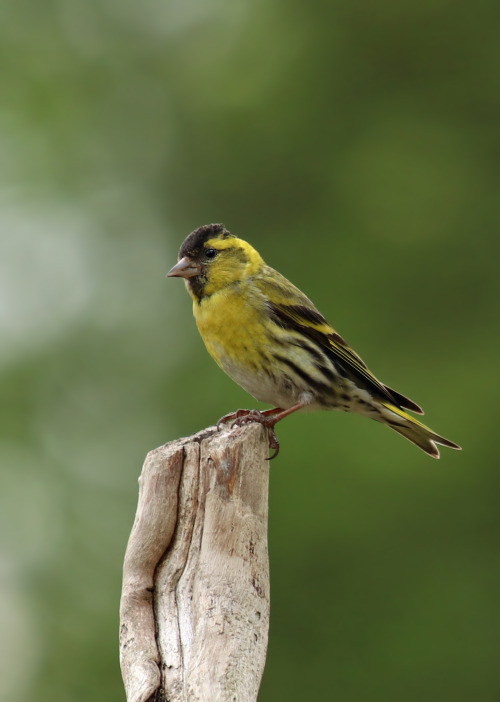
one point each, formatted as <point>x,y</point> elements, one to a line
<point>413,430</point>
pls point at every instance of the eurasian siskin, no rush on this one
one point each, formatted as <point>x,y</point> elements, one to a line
<point>270,338</point>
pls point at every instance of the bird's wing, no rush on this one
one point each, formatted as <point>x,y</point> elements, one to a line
<point>289,308</point>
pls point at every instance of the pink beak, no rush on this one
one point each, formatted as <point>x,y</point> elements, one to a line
<point>184,269</point>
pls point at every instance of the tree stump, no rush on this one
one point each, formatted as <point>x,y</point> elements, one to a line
<point>194,613</point>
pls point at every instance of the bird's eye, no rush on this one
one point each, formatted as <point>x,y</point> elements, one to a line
<point>211,253</point>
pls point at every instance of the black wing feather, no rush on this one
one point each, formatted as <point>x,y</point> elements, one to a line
<point>306,321</point>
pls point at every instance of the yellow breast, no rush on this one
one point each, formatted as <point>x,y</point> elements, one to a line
<point>233,329</point>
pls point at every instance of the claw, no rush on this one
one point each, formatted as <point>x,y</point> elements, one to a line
<point>266,418</point>
<point>273,443</point>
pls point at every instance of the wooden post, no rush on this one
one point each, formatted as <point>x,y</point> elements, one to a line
<point>194,613</point>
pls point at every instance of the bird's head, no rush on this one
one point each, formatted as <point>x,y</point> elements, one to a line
<point>212,258</point>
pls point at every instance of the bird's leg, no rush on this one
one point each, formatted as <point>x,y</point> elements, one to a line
<point>232,416</point>
<point>268,418</point>
<point>270,423</point>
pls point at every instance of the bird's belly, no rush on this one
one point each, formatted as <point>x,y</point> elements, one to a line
<point>255,381</point>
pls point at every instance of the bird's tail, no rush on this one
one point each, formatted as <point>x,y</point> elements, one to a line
<point>413,430</point>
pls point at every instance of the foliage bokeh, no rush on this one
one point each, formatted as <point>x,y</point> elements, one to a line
<point>356,146</point>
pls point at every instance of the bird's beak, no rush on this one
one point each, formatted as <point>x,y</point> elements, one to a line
<point>186,268</point>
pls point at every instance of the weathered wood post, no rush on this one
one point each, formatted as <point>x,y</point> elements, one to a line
<point>194,613</point>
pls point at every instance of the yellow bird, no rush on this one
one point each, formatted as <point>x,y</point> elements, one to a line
<point>270,338</point>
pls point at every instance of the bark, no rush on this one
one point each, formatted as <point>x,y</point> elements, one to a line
<point>194,612</point>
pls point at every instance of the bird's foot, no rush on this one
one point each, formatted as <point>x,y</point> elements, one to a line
<point>266,418</point>
<point>232,416</point>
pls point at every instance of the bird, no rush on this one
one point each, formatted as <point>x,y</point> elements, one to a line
<point>272,340</point>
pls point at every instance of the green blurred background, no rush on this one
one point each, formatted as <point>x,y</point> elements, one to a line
<point>357,146</point>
